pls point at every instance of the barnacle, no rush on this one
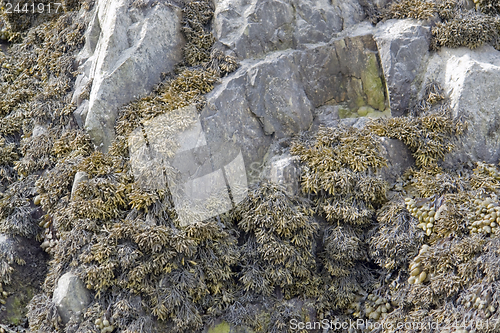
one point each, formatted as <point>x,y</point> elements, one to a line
<point>376,307</point>
<point>486,217</point>
<point>417,274</point>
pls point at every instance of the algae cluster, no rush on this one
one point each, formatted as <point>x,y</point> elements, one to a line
<point>454,22</point>
<point>348,246</point>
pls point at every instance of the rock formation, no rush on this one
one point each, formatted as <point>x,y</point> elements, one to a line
<point>236,166</point>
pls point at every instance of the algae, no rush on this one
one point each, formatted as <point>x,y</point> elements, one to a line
<point>346,242</point>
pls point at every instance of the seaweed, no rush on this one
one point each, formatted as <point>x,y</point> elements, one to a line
<point>428,137</point>
<point>468,28</point>
<point>279,245</point>
<point>417,9</point>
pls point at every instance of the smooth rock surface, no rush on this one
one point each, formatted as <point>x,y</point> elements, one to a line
<point>403,46</point>
<point>70,296</point>
<point>127,48</point>
<point>252,28</point>
<point>471,79</point>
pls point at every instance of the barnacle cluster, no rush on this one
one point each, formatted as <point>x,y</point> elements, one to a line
<point>486,217</point>
<point>50,240</point>
<point>377,307</point>
<point>105,325</point>
<point>426,214</point>
<point>480,299</point>
<point>417,274</point>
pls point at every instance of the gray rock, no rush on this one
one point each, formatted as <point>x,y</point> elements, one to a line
<point>79,177</point>
<point>275,97</point>
<point>471,79</point>
<point>81,112</point>
<point>127,49</point>
<point>70,296</point>
<point>252,28</point>
<point>399,158</point>
<point>404,47</point>
<point>325,115</point>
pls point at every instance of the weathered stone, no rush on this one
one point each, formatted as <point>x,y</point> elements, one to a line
<point>79,177</point>
<point>325,115</point>
<point>404,47</point>
<point>28,266</point>
<point>70,296</point>
<point>471,79</point>
<point>127,48</point>
<point>252,28</point>
<point>277,95</point>
<point>398,157</point>
<point>81,112</point>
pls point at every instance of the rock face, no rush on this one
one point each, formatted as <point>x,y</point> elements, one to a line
<point>28,266</point>
<point>403,46</point>
<point>252,28</point>
<point>127,49</point>
<point>398,157</point>
<point>471,79</point>
<point>70,296</point>
<point>275,97</point>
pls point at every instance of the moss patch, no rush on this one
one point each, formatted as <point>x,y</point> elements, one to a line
<point>221,328</point>
<point>15,312</point>
<point>373,86</point>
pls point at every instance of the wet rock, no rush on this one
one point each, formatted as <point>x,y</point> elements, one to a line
<point>404,47</point>
<point>252,28</point>
<point>70,296</point>
<point>127,49</point>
